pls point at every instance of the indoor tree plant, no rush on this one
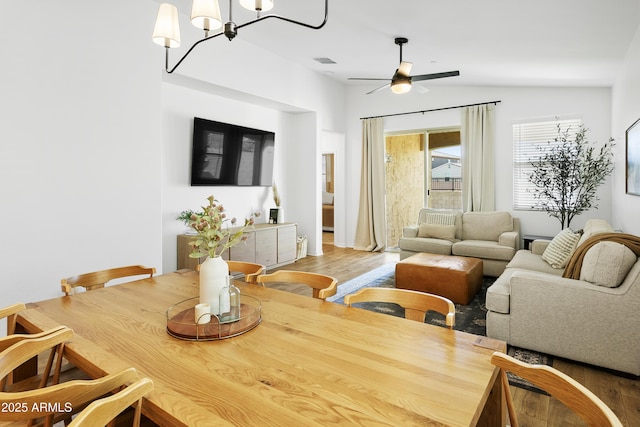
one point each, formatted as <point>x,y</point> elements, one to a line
<point>568,172</point>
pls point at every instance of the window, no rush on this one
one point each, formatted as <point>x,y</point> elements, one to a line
<point>527,137</point>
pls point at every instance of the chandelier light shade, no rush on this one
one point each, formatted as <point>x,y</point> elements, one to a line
<point>257,5</point>
<point>166,32</point>
<point>205,14</point>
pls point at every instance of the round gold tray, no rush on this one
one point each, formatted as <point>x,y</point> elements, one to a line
<point>181,321</point>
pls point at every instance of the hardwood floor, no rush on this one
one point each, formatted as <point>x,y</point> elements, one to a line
<point>621,393</point>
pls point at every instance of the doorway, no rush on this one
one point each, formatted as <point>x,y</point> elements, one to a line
<point>328,196</point>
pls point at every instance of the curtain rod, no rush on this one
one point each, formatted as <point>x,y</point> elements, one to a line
<point>428,111</point>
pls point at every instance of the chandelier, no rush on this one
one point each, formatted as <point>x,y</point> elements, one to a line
<point>205,14</point>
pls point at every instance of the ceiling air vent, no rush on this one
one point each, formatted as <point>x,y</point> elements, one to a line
<point>324,60</point>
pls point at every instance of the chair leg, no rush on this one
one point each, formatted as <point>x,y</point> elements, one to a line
<point>509,399</point>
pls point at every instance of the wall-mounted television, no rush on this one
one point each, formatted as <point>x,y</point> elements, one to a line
<point>228,154</point>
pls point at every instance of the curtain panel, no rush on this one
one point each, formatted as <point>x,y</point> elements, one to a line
<point>371,227</point>
<point>477,135</point>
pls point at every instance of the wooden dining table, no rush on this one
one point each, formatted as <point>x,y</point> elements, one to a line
<point>307,363</point>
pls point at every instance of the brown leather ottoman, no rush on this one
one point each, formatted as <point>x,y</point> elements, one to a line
<point>454,277</point>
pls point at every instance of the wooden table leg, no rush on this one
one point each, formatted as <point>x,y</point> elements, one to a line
<point>494,413</point>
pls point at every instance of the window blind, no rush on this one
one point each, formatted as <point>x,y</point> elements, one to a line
<point>527,137</point>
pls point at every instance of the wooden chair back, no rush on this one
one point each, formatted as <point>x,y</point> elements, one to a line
<point>105,410</point>
<point>323,286</point>
<point>18,349</point>
<point>574,395</point>
<point>250,270</point>
<point>415,304</point>
<point>98,279</point>
<point>10,313</point>
<point>71,396</point>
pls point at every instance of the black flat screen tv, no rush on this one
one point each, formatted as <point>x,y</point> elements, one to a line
<point>227,154</point>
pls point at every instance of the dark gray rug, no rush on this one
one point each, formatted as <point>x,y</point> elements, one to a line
<point>469,318</point>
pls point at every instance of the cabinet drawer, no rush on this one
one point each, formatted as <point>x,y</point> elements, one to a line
<point>266,247</point>
<point>286,244</point>
<point>244,251</point>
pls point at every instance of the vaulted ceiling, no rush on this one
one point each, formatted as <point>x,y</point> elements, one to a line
<point>491,42</point>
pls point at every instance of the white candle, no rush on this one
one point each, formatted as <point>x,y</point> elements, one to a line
<point>203,313</point>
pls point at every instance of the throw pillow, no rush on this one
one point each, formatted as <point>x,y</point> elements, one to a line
<point>593,227</point>
<point>559,251</point>
<point>607,264</point>
<point>437,231</point>
<point>327,198</point>
<point>440,218</point>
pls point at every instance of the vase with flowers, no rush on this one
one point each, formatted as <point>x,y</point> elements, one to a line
<point>214,236</point>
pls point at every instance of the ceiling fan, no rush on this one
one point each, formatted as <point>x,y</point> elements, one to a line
<point>401,80</point>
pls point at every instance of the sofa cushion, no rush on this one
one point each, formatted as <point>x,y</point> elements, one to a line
<point>422,217</point>
<point>561,248</point>
<point>527,260</point>
<point>607,264</point>
<point>437,231</point>
<point>485,225</point>
<point>482,249</point>
<point>422,244</point>
<point>593,227</point>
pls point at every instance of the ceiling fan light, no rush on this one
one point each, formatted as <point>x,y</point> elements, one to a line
<point>166,31</point>
<point>401,86</point>
<point>205,14</point>
<point>257,5</point>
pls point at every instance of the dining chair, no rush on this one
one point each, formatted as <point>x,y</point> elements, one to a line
<point>415,304</point>
<point>17,349</point>
<point>64,399</point>
<point>98,279</point>
<point>323,286</point>
<point>574,395</point>
<point>10,313</point>
<point>103,411</point>
<point>250,270</point>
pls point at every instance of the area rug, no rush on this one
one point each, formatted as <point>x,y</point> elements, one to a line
<point>469,318</point>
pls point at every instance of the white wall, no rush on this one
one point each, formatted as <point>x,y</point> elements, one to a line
<point>95,140</point>
<point>249,87</point>
<point>625,111</point>
<point>593,104</point>
<point>79,137</point>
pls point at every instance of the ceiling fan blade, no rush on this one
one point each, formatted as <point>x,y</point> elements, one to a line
<point>435,76</point>
<point>367,78</point>
<point>405,68</point>
<point>379,89</point>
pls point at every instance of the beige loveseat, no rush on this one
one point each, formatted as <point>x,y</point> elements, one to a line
<point>492,237</point>
<point>589,320</point>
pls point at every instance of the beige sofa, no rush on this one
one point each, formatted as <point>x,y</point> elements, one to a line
<point>492,237</point>
<point>532,306</point>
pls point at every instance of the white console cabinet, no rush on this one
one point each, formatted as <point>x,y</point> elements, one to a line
<point>271,245</point>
